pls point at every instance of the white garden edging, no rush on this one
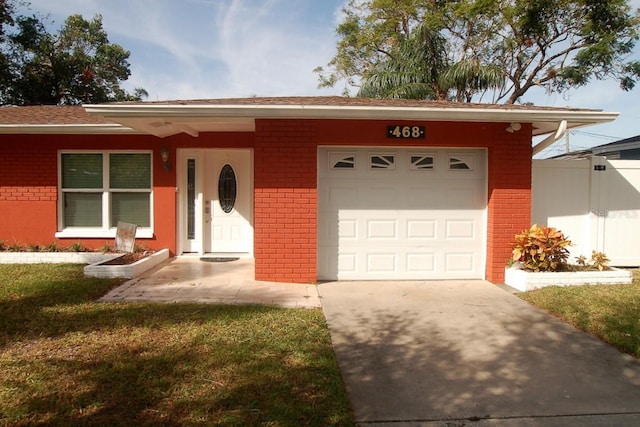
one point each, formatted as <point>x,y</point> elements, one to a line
<point>128,271</point>
<point>55,257</point>
<point>528,281</point>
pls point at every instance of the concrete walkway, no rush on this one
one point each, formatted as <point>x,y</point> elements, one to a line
<point>187,279</point>
<point>467,353</point>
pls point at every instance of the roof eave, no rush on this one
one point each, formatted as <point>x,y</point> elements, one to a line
<point>67,129</point>
<point>343,112</point>
<point>545,121</point>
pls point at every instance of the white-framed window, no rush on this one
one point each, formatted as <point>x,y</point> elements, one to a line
<point>99,188</point>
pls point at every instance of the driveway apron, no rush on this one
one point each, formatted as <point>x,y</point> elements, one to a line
<point>456,353</point>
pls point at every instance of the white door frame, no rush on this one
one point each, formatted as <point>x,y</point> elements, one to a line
<point>199,243</point>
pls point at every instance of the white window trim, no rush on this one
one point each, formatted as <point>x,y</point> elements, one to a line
<point>105,231</point>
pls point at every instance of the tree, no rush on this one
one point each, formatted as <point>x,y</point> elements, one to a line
<point>554,44</point>
<point>6,19</point>
<point>418,68</point>
<point>76,65</point>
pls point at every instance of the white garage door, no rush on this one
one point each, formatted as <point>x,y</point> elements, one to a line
<point>405,213</point>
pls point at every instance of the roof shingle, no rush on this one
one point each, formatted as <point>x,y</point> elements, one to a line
<point>48,115</point>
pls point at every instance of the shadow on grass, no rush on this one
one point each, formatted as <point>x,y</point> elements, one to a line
<point>66,360</point>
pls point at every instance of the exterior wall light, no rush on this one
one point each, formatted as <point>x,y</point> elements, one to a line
<point>164,156</point>
<point>514,127</point>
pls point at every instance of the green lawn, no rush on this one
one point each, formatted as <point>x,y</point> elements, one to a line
<point>610,312</point>
<point>67,360</point>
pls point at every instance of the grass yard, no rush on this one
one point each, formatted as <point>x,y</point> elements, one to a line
<point>610,312</point>
<point>67,360</point>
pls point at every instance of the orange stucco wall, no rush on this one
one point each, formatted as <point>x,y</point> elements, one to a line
<point>285,184</point>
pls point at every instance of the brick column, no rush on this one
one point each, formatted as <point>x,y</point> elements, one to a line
<point>509,204</point>
<point>285,207</point>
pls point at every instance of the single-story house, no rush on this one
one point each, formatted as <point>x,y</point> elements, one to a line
<point>623,149</point>
<point>313,188</point>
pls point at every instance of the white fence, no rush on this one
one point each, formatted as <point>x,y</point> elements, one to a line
<point>594,202</point>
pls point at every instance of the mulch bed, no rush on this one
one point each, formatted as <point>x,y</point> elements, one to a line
<point>128,258</point>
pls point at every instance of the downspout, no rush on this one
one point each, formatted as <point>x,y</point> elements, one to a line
<point>562,128</point>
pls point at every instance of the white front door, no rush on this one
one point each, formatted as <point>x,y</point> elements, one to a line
<point>227,208</point>
<point>216,202</point>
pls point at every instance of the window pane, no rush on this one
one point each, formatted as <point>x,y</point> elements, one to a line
<point>83,209</point>
<point>227,188</point>
<point>81,170</point>
<point>130,170</point>
<point>191,199</point>
<point>133,208</point>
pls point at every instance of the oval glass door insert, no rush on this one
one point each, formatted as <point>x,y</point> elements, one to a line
<point>227,188</point>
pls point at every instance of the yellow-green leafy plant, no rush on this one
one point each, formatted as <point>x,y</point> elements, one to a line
<point>582,261</point>
<point>541,248</point>
<point>599,260</point>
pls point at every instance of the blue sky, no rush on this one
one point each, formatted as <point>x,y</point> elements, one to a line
<point>190,49</point>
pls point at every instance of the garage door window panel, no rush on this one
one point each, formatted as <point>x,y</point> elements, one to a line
<point>382,161</point>
<point>422,162</point>
<point>342,160</point>
<point>461,163</point>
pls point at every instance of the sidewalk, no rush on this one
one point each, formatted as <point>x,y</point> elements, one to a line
<point>187,279</point>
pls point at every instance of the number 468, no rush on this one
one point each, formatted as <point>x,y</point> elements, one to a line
<point>408,131</point>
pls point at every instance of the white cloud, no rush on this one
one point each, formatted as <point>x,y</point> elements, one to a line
<point>222,48</point>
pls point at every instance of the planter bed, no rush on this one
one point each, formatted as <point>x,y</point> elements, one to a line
<point>127,271</point>
<point>55,257</point>
<point>528,281</point>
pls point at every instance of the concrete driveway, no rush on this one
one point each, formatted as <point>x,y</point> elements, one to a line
<point>468,353</point>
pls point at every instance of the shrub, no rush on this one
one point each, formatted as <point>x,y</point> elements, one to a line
<point>51,247</point>
<point>541,248</point>
<point>77,247</point>
<point>598,261</point>
<point>15,247</point>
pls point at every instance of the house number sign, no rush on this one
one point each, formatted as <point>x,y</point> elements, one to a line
<point>405,132</point>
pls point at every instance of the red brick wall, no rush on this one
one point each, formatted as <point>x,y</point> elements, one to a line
<point>29,182</point>
<point>509,197</point>
<point>28,191</point>
<point>285,164</point>
<point>285,218</point>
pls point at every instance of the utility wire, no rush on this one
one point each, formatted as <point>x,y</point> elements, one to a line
<point>594,135</point>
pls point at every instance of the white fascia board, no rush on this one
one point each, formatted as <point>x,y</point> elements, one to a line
<point>86,129</point>
<point>115,111</point>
